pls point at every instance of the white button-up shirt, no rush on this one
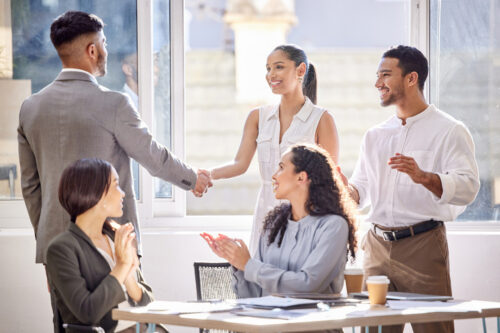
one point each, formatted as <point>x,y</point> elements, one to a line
<point>439,144</point>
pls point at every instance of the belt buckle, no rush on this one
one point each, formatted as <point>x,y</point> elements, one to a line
<point>388,234</point>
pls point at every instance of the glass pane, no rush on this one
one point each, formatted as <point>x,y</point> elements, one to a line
<point>32,62</point>
<point>161,49</point>
<point>345,52</point>
<point>464,64</point>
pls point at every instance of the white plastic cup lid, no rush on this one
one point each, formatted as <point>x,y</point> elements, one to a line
<point>353,271</point>
<point>380,279</point>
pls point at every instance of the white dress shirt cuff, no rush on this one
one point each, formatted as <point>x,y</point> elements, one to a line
<point>449,188</point>
<point>252,270</point>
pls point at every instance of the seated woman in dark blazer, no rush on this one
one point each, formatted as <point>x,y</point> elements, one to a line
<point>93,266</point>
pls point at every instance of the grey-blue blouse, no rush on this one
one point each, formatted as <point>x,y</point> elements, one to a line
<point>311,259</point>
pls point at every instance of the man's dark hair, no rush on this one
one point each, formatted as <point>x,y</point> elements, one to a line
<point>83,184</point>
<point>410,60</point>
<point>73,24</point>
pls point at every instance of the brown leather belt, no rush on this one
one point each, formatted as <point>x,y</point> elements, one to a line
<point>394,235</point>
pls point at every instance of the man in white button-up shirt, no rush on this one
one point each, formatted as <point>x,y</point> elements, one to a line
<point>416,170</point>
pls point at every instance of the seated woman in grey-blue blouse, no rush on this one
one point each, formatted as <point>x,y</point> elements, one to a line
<point>305,242</point>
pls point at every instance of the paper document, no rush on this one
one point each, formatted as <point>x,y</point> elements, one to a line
<point>191,307</point>
<point>421,306</point>
<point>275,313</point>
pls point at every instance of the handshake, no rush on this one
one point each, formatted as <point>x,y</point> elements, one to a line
<point>203,182</point>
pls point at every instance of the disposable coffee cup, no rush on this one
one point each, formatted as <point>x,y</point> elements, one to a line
<point>353,280</point>
<point>377,286</point>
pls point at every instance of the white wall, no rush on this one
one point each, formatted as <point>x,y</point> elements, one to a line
<point>168,266</point>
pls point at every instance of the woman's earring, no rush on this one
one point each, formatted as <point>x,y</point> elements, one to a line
<point>300,79</point>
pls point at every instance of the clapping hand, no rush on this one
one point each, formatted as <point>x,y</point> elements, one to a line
<point>203,182</point>
<point>233,250</point>
<point>125,252</point>
<point>212,242</point>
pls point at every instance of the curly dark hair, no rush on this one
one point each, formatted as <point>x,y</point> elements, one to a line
<point>327,194</point>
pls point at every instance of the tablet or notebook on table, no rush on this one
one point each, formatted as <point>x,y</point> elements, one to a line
<point>316,296</point>
<point>271,302</point>
<point>402,296</point>
<point>330,299</point>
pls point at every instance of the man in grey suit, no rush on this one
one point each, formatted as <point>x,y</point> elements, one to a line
<point>73,118</point>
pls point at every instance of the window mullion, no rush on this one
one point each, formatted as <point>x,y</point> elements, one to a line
<point>419,30</point>
<point>146,95</point>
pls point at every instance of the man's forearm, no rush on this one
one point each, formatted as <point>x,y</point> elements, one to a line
<point>432,182</point>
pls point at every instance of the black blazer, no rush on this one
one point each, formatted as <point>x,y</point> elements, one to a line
<point>79,278</point>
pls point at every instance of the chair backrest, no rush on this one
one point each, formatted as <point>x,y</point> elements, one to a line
<point>213,281</point>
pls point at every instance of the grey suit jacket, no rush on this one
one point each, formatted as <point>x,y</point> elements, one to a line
<point>79,278</point>
<point>73,118</point>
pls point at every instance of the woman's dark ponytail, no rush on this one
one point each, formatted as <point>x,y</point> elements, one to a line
<point>309,87</point>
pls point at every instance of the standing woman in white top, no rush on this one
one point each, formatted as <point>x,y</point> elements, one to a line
<point>272,129</point>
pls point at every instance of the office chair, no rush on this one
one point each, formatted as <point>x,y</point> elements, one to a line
<point>83,328</point>
<point>213,282</point>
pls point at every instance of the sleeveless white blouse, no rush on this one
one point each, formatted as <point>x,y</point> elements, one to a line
<point>269,150</point>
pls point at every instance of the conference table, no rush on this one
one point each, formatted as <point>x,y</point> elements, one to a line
<point>312,319</point>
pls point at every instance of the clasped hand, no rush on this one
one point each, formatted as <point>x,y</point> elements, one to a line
<point>203,182</point>
<point>234,250</point>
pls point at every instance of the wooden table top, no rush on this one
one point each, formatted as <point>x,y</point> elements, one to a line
<point>337,317</point>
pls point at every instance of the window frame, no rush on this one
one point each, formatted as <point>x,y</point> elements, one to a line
<point>152,209</point>
<point>171,213</point>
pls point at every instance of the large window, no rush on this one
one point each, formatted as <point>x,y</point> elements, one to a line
<point>170,52</point>
<point>28,62</point>
<point>465,63</point>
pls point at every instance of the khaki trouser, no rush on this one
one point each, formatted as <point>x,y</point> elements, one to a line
<point>417,264</point>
